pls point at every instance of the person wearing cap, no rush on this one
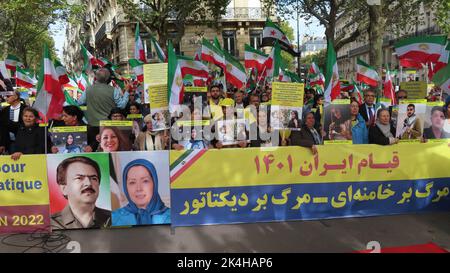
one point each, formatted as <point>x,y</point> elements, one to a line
<point>10,120</point>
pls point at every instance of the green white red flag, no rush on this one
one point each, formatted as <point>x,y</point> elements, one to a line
<point>174,80</point>
<point>366,73</point>
<point>421,49</point>
<point>159,51</point>
<point>61,72</point>
<point>442,79</point>
<point>254,58</point>
<point>50,97</point>
<point>88,58</point>
<point>139,53</point>
<point>235,72</point>
<point>24,79</point>
<point>388,87</point>
<point>332,83</point>
<point>138,69</point>
<point>12,62</point>
<point>212,54</point>
<point>189,66</point>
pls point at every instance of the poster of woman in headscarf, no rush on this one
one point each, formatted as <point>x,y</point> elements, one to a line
<point>143,179</point>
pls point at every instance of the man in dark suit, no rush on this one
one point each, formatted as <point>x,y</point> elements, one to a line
<point>367,110</point>
<point>10,119</point>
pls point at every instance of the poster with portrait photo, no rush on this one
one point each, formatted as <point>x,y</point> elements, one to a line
<point>143,188</point>
<point>226,132</point>
<point>285,117</point>
<point>69,139</point>
<point>410,121</point>
<point>138,123</point>
<point>337,122</point>
<point>115,136</point>
<point>79,187</point>
<point>434,123</point>
<point>160,118</point>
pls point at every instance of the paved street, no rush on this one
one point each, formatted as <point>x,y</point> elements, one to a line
<point>336,235</point>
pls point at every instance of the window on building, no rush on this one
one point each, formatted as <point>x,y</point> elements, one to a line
<point>229,41</point>
<point>255,38</point>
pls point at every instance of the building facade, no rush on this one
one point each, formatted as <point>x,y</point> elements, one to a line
<point>108,33</point>
<point>312,45</point>
<point>349,53</point>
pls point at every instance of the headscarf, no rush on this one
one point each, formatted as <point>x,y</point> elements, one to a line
<point>155,206</point>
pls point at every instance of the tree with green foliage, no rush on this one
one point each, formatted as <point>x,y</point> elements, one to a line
<point>25,26</point>
<point>159,16</point>
<point>287,58</point>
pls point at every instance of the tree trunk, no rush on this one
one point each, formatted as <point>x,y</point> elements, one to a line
<point>331,28</point>
<point>376,30</point>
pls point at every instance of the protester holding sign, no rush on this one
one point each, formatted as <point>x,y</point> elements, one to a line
<point>150,140</point>
<point>30,137</point>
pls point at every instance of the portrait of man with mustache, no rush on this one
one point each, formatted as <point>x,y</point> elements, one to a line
<point>79,180</point>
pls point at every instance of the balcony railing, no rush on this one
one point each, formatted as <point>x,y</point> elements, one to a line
<point>244,13</point>
<point>105,29</point>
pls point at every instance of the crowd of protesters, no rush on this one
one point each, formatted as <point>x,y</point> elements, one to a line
<point>202,124</point>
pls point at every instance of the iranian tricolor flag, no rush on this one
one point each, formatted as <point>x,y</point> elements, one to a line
<point>102,62</point>
<point>283,77</point>
<point>139,53</point>
<point>50,97</point>
<point>198,54</point>
<point>88,58</point>
<point>61,72</point>
<point>159,51</point>
<point>410,64</point>
<point>273,62</point>
<point>254,58</point>
<point>174,80</point>
<point>83,81</point>
<point>190,67</point>
<point>23,78</point>
<point>12,62</point>
<point>288,76</point>
<point>138,69</point>
<point>444,59</point>
<point>358,92</point>
<point>272,33</point>
<point>72,84</point>
<point>422,49</point>
<point>212,54</point>
<point>442,79</point>
<point>315,76</point>
<point>235,71</point>
<point>332,84</point>
<point>366,73</point>
<point>388,87</point>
